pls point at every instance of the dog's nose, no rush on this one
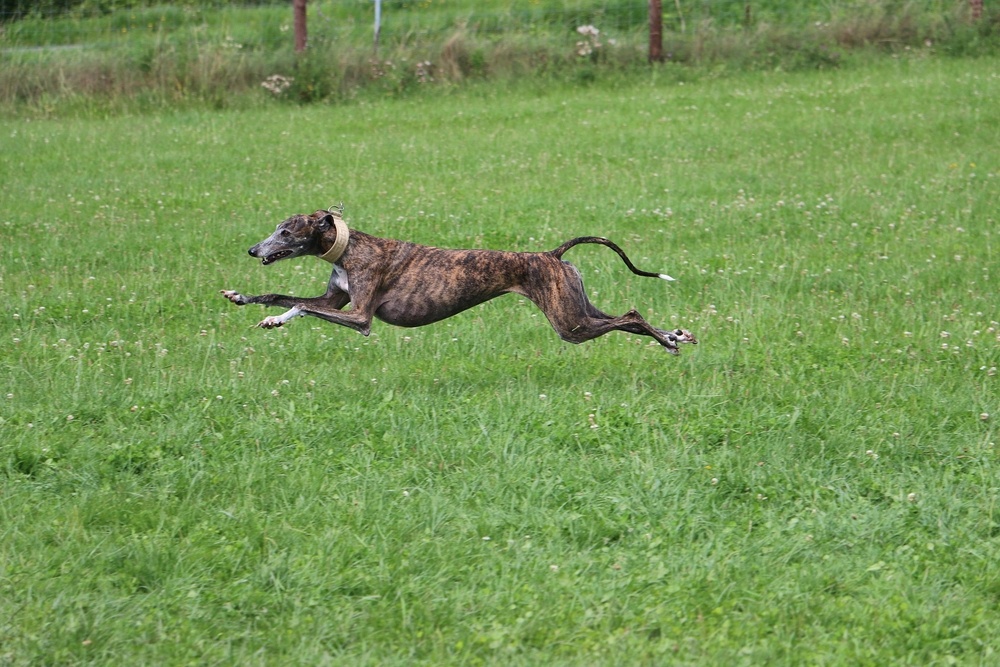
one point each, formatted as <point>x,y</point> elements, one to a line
<point>253,251</point>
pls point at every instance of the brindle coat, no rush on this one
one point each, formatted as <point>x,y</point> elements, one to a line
<point>411,285</point>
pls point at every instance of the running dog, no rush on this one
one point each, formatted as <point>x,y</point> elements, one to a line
<point>410,285</point>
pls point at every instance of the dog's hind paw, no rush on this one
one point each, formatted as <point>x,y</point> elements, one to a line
<point>684,336</point>
<point>670,339</point>
<point>234,296</point>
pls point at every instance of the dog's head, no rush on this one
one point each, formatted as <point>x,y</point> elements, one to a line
<point>298,235</point>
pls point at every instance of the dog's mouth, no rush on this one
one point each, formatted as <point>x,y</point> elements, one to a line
<point>275,256</point>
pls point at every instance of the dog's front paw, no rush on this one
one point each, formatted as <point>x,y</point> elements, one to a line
<point>272,322</point>
<point>234,296</point>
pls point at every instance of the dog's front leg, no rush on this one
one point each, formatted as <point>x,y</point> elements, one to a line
<point>357,319</point>
<point>332,300</point>
<point>273,321</point>
<point>354,319</point>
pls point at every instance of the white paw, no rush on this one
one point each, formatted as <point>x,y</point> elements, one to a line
<point>271,322</point>
<point>685,336</point>
<point>234,296</point>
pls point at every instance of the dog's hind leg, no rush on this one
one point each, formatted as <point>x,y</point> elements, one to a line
<point>576,320</point>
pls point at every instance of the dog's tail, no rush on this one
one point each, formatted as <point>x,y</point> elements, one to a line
<point>558,253</point>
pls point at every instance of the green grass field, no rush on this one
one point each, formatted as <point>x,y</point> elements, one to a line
<point>816,483</point>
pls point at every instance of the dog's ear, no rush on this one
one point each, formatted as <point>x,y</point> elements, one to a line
<point>326,222</point>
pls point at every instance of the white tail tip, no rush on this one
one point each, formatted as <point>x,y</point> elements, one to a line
<point>665,276</point>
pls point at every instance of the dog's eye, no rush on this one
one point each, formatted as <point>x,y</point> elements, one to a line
<point>285,233</point>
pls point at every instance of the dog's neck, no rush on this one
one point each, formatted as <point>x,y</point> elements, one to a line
<point>339,243</point>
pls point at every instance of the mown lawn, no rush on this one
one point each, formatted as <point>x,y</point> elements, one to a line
<point>816,483</point>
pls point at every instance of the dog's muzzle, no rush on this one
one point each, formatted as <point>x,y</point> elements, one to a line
<point>269,259</point>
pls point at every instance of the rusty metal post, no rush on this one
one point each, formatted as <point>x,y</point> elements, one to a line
<point>299,9</point>
<point>655,31</point>
<point>977,9</point>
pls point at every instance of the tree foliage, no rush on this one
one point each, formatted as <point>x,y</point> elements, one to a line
<point>12,10</point>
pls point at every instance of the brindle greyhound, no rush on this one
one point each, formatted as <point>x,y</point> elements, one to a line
<point>411,285</point>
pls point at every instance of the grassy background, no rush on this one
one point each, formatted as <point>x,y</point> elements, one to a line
<point>216,55</point>
<point>817,482</point>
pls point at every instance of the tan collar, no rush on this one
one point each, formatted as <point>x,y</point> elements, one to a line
<point>340,244</point>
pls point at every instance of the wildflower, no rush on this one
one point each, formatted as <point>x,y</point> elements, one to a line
<point>984,416</point>
<point>591,43</point>
<point>911,497</point>
<point>423,70</point>
<point>277,84</point>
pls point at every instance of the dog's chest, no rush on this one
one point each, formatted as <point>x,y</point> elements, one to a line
<point>339,278</point>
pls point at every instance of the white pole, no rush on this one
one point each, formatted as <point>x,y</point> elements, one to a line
<point>378,22</point>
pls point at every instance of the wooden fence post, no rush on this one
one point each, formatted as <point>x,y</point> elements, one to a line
<point>655,31</point>
<point>299,10</point>
<point>977,9</point>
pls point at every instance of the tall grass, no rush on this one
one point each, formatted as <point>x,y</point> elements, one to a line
<point>157,56</point>
<point>815,483</point>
